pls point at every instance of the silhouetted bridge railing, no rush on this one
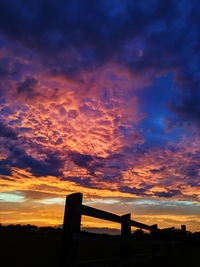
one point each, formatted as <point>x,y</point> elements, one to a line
<point>74,209</point>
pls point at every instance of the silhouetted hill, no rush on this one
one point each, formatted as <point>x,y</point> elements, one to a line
<point>29,245</point>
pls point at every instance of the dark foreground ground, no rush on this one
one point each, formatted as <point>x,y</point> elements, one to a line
<point>41,247</point>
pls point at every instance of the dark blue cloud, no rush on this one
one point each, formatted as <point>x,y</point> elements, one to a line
<point>133,190</point>
<point>6,111</point>
<point>38,168</point>
<point>168,194</point>
<point>27,87</point>
<point>81,160</point>
<point>7,132</point>
<point>4,168</point>
<point>94,28</point>
<point>158,170</point>
<point>3,69</point>
<point>51,165</point>
<point>157,36</point>
<point>82,181</point>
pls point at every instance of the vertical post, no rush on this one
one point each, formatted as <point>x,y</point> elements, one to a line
<point>71,226</point>
<point>183,229</point>
<point>154,227</point>
<point>126,235</point>
<point>153,231</point>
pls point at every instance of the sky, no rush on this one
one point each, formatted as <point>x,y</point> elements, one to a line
<point>100,97</point>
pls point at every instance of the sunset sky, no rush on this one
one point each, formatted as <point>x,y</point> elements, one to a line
<point>100,97</point>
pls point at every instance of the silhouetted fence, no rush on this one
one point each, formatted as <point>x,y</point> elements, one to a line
<point>74,209</point>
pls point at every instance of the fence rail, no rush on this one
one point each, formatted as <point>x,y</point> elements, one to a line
<point>74,209</point>
<point>104,215</point>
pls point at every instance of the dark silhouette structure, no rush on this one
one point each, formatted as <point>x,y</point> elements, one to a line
<point>30,245</point>
<point>183,229</point>
<point>74,209</point>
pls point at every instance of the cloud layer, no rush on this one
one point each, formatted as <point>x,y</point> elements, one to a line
<point>100,97</point>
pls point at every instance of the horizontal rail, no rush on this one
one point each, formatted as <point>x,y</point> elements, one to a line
<point>104,215</point>
<point>141,225</point>
<point>74,209</point>
<point>100,214</point>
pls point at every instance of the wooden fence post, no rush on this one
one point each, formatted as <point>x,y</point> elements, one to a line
<point>183,229</point>
<point>154,227</point>
<point>71,226</point>
<point>126,235</point>
<point>154,231</point>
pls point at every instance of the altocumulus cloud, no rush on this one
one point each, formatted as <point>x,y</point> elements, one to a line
<point>74,77</point>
